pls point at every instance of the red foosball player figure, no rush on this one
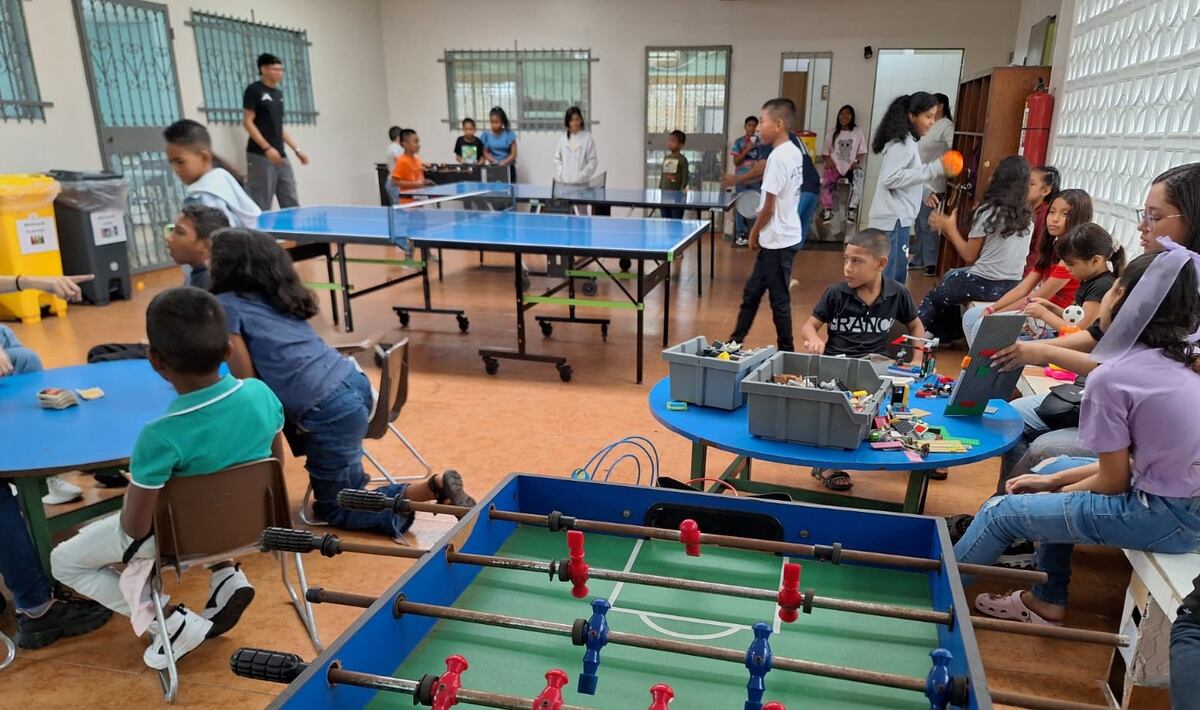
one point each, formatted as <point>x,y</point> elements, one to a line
<point>449,683</point>
<point>551,697</point>
<point>689,535</point>
<point>662,695</point>
<point>576,565</point>
<point>789,597</point>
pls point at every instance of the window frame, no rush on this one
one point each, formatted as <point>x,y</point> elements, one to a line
<point>26,103</point>
<point>519,113</point>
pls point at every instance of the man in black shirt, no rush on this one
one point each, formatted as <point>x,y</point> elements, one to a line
<point>268,173</point>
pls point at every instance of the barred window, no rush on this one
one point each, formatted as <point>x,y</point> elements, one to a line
<point>19,96</point>
<point>228,50</point>
<point>534,87</point>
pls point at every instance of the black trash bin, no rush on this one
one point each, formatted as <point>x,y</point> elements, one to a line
<point>92,233</point>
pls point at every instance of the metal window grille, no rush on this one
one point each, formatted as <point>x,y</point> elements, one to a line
<point>228,50</point>
<point>19,96</point>
<point>534,87</point>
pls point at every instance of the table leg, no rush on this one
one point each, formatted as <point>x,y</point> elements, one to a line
<point>641,313</point>
<point>700,263</point>
<point>712,246</point>
<point>347,316</point>
<point>329,274</point>
<point>30,490</point>
<point>699,459</point>
<point>918,488</point>
<point>667,308</point>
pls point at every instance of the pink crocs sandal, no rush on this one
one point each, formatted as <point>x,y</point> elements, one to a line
<point>1009,606</point>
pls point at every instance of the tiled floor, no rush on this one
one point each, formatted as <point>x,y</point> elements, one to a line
<point>523,419</point>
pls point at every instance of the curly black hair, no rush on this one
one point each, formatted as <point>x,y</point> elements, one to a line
<point>250,262</point>
<point>1080,213</point>
<point>1177,317</point>
<point>896,124</point>
<point>1006,199</point>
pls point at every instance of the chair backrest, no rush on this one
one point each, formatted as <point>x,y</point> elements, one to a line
<point>200,517</point>
<point>393,388</point>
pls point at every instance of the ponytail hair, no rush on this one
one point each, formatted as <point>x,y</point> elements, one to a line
<point>1088,240</point>
<point>895,124</point>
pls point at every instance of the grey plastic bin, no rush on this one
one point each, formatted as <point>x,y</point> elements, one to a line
<point>812,416</point>
<point>90,212</point>
<point>707,381</point>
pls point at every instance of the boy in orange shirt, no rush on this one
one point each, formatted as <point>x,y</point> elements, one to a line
<point>409,171</point>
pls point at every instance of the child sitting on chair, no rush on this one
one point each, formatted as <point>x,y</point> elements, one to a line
<point>216,422</point>
<point>327,399</point>
<point>859,313</point>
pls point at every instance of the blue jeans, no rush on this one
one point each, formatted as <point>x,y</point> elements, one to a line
<point>1185,661</point>
<point>897,266</point>
<point>808,212</point>
<point>19,563</point>
<point>1058,521</point>
<point>927,239</point>
<point>23,359</point>
<point>333,432</point>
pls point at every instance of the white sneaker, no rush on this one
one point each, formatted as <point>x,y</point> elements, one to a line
<point>793,284</point>
<point>185,628</point>
<point>61,491</point>
<point>231,594</point>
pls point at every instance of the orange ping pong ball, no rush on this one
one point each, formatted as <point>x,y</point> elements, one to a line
<point>952,161</point>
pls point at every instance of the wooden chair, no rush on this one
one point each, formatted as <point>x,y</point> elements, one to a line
<point>201,520</point>
<point>393,394</point>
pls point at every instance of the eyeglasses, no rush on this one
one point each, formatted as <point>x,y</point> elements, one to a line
<point>1150,220</point>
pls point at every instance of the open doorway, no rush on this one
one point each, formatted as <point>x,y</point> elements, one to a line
<point>904,71</point>
<point>686,90</point>
<point>804,78</point>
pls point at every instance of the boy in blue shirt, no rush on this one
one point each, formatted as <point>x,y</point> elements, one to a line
<point>215,423</point>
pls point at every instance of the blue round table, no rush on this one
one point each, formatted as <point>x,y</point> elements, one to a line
<point>728,431</point>
<point>96,434</point>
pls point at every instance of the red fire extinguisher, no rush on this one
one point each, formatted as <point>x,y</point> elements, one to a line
<point>1035,125</point>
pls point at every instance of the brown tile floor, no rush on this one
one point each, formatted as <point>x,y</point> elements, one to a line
<point>524,419</point>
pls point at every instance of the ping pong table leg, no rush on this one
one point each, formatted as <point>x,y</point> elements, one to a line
<point>329,279</point>
<point>641,313</point>
<point>345,275</point>
<point>712,244</point>
<point>699,263</point>
<point>667,307</point>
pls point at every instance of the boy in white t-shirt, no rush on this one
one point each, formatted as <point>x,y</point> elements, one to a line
<point>777,234</point>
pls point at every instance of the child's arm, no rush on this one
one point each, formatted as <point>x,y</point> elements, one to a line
<point>277,448</point>
<point>1016,295</point>
<point>512,155</point>
<point>1051,482</point>
<point>741,155</point>
<point>1112,476</point>
<point>1053,315</point>
<point>893,174</point>
<point>590,161</point>
<point>947,224</point>
<point>687,173</point>
<point>810,333</point>
<point>137,511</point>
<point>240,364</point>
<point>61,286</point>
<point>487,156</point>
<point>558,159</point>
<point>763,219</point>
<point>917,330</point>
<point>1049,288</point>
<point>1042,352</point>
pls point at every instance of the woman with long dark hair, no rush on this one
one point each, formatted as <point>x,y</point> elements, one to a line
<point>500,142</point>
<point>903,178</point>
<point>933,146</point>
<point>575,157</point>
<point>843,156</point>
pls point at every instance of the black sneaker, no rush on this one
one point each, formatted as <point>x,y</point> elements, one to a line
<point>1019,555</point>
<point>958,525</point>
<point>451,490</point>
<point>110,479</point>
<point>931,271</point>
<point>63,619</point>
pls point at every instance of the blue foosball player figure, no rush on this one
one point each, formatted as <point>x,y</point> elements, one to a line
<point>595,637</point>
<point>758,661</point>
<point>939,681</point>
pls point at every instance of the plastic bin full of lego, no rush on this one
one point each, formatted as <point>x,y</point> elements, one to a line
<point>29,243</point>
<point>810,415</point>
<point>708,381</point>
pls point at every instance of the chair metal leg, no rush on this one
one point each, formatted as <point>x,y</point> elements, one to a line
<point>307,519</point>
<point>387,475</point>
<point>300,601</point>
<point>10,653</point>
<point>170,676</point>
<point>415,454</point>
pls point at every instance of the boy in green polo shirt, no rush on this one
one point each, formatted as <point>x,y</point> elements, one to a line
<point>216,422</point>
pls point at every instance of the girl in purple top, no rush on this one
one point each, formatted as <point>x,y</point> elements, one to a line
<point>1143,490</point>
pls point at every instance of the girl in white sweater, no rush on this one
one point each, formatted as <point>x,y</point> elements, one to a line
<point>575,157</point>
<point>903,178</point>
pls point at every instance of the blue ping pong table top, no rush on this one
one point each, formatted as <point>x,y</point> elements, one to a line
<point>582,194</point>
<point>486,231</point>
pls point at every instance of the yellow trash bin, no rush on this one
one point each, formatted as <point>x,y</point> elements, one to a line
<point>810,141</point>
<point>29,243</point>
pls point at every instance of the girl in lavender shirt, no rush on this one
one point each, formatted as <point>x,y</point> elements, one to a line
<point>1143,492</point>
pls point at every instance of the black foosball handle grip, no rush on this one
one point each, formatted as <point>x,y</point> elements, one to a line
<point>287,540</point>
<point>261,664</point>
<point>370,501</point>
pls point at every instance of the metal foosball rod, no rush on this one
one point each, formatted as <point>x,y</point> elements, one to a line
<point>402,606</point>
<point>279,667</point>
<point>373,501</point>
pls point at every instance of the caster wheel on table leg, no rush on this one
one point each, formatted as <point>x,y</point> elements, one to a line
<point>547,328</point>
<point>565,372</point>
<point>589,287</point>
<point>491,365</point>
<point>626,264</point>
<point>464,323</point>
<point>604,333</point>
<point>404,317</point>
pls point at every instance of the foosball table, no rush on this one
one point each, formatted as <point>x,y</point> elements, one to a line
<point>564,594</point>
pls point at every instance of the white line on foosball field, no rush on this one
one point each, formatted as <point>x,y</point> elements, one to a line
<point>645,616</point>
<point>637,547</point>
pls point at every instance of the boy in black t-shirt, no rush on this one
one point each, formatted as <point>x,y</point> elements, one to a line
<point>859,313</point>
<point>468,148</point>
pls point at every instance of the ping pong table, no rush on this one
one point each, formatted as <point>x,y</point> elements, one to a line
<point>712,202</point>
<point>576,242</point>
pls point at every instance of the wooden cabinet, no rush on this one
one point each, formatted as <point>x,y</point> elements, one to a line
<point>987,129</point>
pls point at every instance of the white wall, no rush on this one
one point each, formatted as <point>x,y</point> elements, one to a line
<point>617,32</point>
<point>346,59</point>
<point>1033,12</point>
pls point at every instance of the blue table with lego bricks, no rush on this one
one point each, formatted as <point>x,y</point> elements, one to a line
<point>726,430</point>
<point>712,202</point>
<point>804,605</point>
<point>96,434</point>
<point>653,244</point>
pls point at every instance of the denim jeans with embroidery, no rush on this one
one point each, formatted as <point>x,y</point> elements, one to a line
<point>1058,521</point>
